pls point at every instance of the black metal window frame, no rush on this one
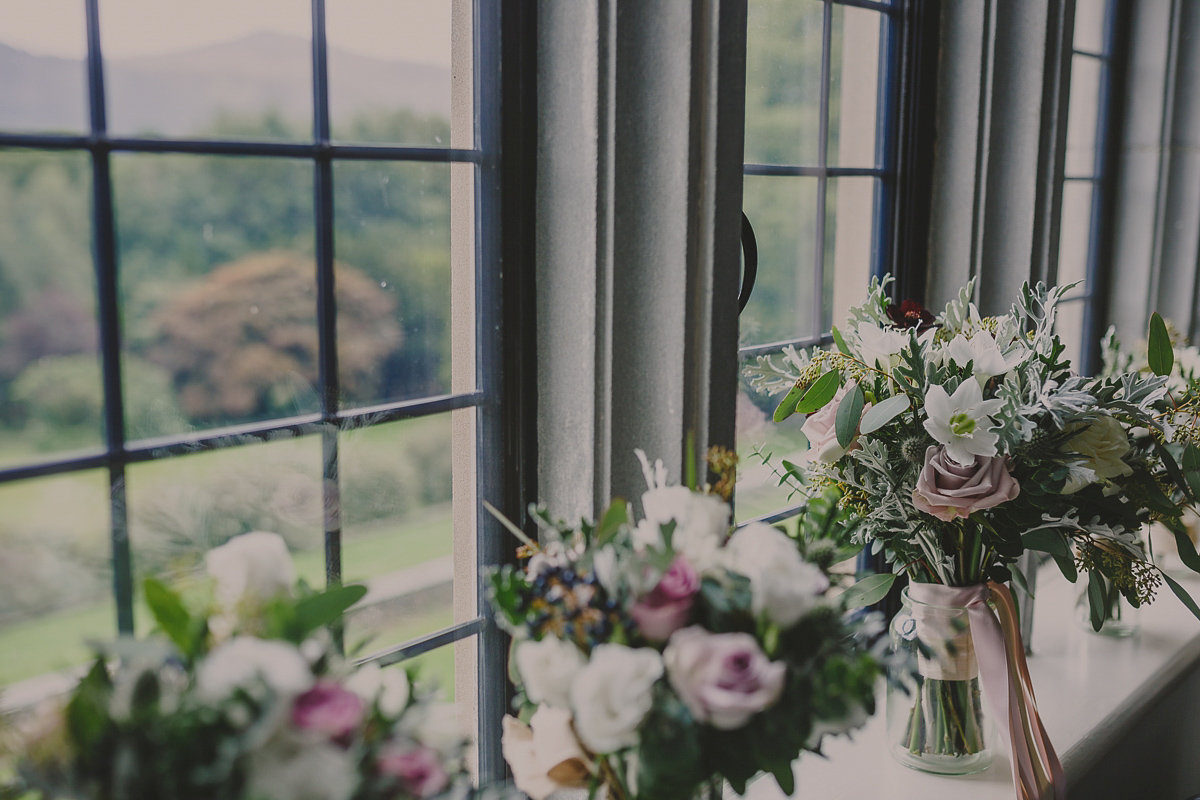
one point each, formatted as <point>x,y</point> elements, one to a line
<point>1102,180</point>
<point>504,360</point>
<point>892,99</point>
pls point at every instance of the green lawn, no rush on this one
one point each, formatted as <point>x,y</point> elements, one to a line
<point>57,641</point>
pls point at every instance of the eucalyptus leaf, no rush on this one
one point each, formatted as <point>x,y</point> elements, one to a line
<point>1187,550</point>
<point>884,412</point>
<point>1191,468</point>
<point>319,610</point>
<point>613,518</point>
<point>1097,599</point>
<point>787,406</point>
<point>868,591</point>
<point>1047,541</point>
<point>1066,565</point>
<point>1182,594</point>
<point>1159,355</point>
<point>840,342</point>
<point>849,414</point>
<point>820,393</point>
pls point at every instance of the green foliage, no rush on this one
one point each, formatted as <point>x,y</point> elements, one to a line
<point>295,621</point>
<point>173,617</point>
<point>1160,356</point>
<point>868,591</point>
<point>670,753</point>
<point>820,393</point>
<point>63,399</point>
<point>884,412</point>
<point>849,414</point>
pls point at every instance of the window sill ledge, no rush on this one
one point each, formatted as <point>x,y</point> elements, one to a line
<point>1092,692</point>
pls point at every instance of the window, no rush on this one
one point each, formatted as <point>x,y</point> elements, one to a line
<point>822,83</point>
<point>250,280</point>
<point>1087,182</point>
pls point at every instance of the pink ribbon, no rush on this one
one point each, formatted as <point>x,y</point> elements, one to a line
<point>1037,773</point>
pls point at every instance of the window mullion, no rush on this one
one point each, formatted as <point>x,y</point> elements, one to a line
<point>105,261</point>
<point>327,356</point>
<point>818,295</point>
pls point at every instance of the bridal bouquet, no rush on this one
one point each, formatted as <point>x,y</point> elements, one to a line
<point>654,658</point>
<point>242,695</point>
<point>961,441</point>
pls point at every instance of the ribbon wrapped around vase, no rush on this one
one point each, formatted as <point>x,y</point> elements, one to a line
<point>1037,773</point>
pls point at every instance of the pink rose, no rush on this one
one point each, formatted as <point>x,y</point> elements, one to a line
<point>948,490</point>
<point>667,607</point>
<point>821,429</point>
<point>329,709</point>
<point>419,769</point>
<point>723,678</point>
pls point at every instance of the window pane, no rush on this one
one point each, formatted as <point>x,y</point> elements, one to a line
<point>849,244</point>
<point>221,68</point>
<point>853,86</point>
<point>758,489</point>
<point>1069,326</point>
<point>1075,235</point>
<point>393,236</point>
<point>783,81</point>
<point>389,71</point>
<point>398,534</point>
<point>182,507</point>
<point>50,388</point>
<point>219,285</point>
<point>783,211</point>
<point>1083,116</point>
<point>1089,25</point>
<point>43,82</point>
<point>55,567</point>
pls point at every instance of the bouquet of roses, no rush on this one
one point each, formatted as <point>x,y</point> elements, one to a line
<point>655,658</point>
<point>242,694</point>
<point>961,441</point>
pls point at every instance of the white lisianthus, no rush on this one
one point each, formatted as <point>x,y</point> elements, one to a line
<point>388,687</point>
<point>962,421</point>
<point>879,346</point>
<point>1103,442</point>
<point>611,695</point>
<point>292,768</point>
<point>545,755</point>
<point>783,585</point>
<point>249,570</point>
<point>244,661</point>
<point>547,668</point>
<point>701,523</point>
<point>982,352</point>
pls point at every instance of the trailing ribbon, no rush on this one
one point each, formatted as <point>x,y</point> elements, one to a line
<point>1037,773</point>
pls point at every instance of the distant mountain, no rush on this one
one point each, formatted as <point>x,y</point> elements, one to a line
<point>180,93</point>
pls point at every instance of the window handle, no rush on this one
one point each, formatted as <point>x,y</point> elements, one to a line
<point>750,261</point>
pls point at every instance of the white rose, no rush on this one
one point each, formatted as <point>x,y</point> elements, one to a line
<point>243,661</point>
<point>545,755</point>
<point>388,687</point>
<point>1103,442</point>
<point>290,768</point>
<point>249,570</point>
<point>611,696</point>
<point>783,585</point>
<point>701,523</point>
<point>547,669</point>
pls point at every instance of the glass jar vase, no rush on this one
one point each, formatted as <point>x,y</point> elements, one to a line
<point>1120,619</point>
<point>936,720</point>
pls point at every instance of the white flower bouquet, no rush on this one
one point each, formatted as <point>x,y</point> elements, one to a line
<point>962,441</point>
<point>655,658</point>
<point>241,694</point>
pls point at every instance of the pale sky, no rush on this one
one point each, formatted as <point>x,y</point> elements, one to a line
<point>396,30</point>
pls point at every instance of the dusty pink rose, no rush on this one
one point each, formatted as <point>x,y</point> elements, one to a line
<point>821,429</point>
<point>948,490</point>
<point>329,709</point>
<point>419,769</point>
<point>723,678</point>
<point>667,607</point>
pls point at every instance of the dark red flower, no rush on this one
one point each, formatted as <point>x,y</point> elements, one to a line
<point>911,314</point>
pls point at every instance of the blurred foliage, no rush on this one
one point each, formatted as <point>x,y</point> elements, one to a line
<point>243,342</point>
